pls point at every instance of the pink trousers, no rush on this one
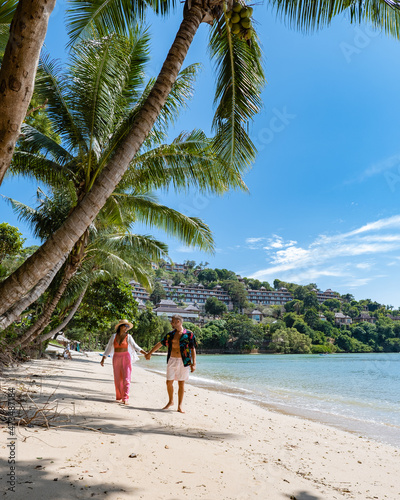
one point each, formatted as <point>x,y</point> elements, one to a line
<point>122,374</point>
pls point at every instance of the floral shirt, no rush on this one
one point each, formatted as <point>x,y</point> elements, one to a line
<point>186,343</point>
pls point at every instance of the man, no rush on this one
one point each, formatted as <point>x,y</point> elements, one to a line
<point>181,358</point>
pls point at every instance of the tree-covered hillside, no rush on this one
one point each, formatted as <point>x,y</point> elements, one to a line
<point>302,325</point>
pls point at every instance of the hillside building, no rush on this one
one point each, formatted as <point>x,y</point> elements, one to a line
<point>197,293</point>
<point>168,308</point>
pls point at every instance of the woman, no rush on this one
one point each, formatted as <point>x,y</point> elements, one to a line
<point>122,348</point>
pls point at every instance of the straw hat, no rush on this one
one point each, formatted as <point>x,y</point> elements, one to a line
<point>123,322</point>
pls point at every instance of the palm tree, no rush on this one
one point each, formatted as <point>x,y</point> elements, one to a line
<point>110,248</point>
<point>232,145</point>
<point>240,78</point>
<point>91,124</point>
<point>21,56</point>
<point>19,65</point>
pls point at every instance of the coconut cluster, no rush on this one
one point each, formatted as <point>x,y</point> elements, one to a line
<point>239,20</point>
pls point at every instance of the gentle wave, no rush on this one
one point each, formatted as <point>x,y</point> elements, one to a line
<point>356,392</point>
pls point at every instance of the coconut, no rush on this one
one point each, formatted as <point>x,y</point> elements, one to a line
<point>236,29</point>
<point>250,11</point>
<point>235,18</point>
<point>229,14</point>
<point>244,12</point>
<point>246,23</point>
<point>237,7</point>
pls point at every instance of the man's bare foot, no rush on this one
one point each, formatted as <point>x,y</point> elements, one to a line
<point>180,410</point>
<point>170,403</point>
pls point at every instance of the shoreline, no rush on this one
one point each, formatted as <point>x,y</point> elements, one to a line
<point>349,425</point>
<point>223,447</point>
<point>346,413</point>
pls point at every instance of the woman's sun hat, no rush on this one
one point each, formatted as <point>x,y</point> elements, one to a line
<point>124,322</point>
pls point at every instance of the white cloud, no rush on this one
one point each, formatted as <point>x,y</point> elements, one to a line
<point>364,265</point>
<point>332,255</point>
<point>278,242</point>
<point>313,274</point>
<point>254,240</point>
<point>184,249</point>
<point>392,162</point>
<point>357,282</point>
<point>254,243</point>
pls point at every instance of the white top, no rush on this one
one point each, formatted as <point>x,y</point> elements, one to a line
<point>132,348</point>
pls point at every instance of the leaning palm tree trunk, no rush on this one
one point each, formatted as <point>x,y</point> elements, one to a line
<point>58,246</point>
<point>18,70</point>
<point>66,320</point>
<point>49,308</point>
<point>14,312</point>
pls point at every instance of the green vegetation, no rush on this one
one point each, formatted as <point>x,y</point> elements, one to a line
<point>302,325</point>
<point>11,242</point>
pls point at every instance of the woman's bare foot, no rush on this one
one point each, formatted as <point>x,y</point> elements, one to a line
<point>170,403</point>
<point>180,410</point>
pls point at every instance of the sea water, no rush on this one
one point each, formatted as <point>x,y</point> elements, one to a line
<point>356,392</point>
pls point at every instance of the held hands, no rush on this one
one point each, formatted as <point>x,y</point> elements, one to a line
<point>147,356</point>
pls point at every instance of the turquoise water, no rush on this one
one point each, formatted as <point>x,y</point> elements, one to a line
<point>356,392</point>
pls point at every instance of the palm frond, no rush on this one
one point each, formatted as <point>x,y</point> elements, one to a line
<point>382,14</point>
<point>7,10</point>
<point>37,142</point>
<point>53,86</point>
<point>48,216</point>
<point>111,16</point>
<point>125,254</point>
<point>27,164</point>
<point>240,80</point>
<point>188,162</point>
<point>310,15</point>
<point>41,157</point>
<point>107,76</point>
<point>24,212</point>
<point>116,212</point>
<point>78,283</point>
<point>181,91</point>
<point>138,56</point>
<point>192,231</point>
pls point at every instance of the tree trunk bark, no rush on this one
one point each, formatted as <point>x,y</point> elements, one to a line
<point>65,322</point>
<point>14,312</point>
<point>58,246</point>
<point>49,308</point>
<point>18,71</point>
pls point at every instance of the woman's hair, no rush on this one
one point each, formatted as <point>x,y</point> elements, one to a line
<point>119,326</point>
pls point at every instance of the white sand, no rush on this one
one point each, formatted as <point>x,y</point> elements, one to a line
<point>222,448</point>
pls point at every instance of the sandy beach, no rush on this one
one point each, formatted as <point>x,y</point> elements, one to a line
<point>221,448</point>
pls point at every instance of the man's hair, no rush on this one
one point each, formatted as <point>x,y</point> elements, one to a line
<point>176,316</point>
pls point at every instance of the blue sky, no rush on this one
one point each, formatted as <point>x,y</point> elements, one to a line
<point>323,201</point>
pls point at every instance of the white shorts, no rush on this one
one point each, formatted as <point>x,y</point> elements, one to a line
<point>176,370</point>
